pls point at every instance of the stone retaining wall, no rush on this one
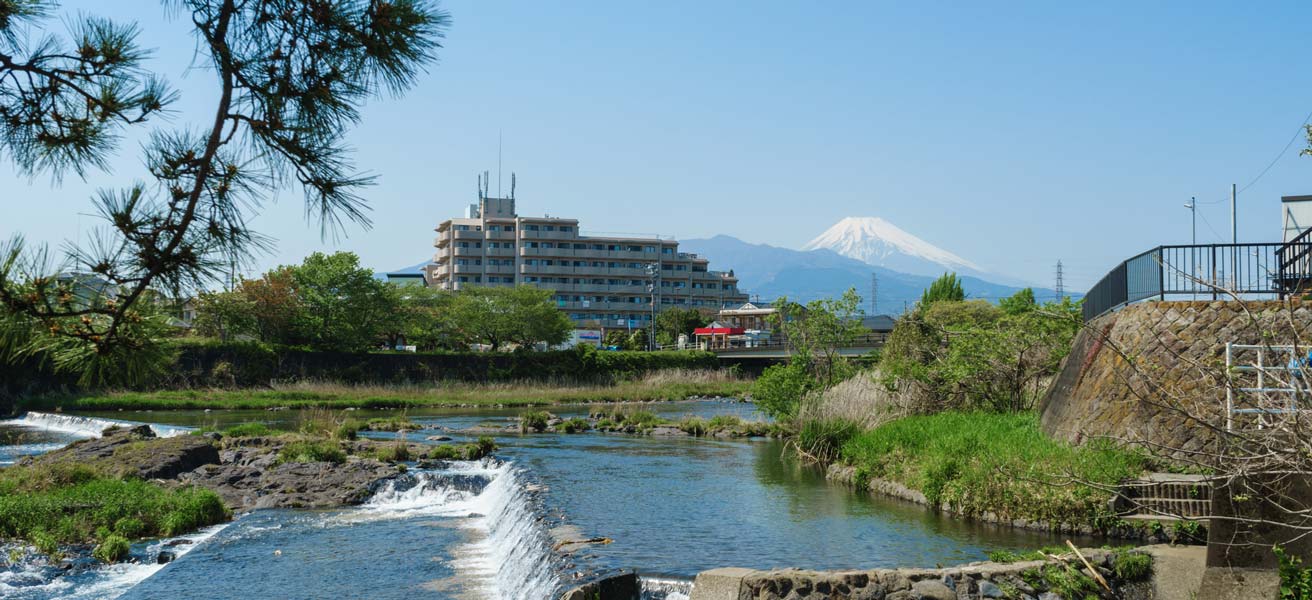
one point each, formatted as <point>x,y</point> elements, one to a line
<point>1131,374</point>
<point>975,580</point>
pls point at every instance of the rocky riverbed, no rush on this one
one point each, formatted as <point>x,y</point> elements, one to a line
<point>246,472</point>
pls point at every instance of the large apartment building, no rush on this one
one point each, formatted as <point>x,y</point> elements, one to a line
<point>600,282</point>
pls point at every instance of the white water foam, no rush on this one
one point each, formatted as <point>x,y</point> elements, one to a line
<point>107,582</point>
<point>510,557</point>
<point>656,588</point>
<point>87,426</point>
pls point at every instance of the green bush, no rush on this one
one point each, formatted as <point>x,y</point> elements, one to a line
<point>779,390</point>
<point>533,421</point>
<point>113,549</point>
<point>1132,566</point>
<point>312,451</point>
<point>574,425</point>
<point>130,527</point>
<point>1295,579</point>
<point>695,426</point>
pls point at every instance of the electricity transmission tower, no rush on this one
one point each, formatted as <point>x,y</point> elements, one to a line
<point>1060,286</point>
<point>874,293</point>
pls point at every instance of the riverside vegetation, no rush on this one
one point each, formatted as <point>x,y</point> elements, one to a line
<point>103,493</point>
<point>947,410</point>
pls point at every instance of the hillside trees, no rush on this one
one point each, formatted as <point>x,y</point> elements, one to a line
<point>291,76</point>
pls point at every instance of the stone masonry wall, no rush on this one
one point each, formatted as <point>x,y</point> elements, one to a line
<point>1134,374</point>
<point>1022,580</point>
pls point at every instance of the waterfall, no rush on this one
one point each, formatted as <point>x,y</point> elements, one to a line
<point>87,426</point>
<point>511,556</point>
<point>657,588</point>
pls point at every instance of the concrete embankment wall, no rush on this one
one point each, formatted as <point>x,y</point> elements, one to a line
<point>1134,374</point>
<point>976,580</point>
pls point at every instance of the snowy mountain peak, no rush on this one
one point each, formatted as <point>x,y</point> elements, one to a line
<point>875,241</point>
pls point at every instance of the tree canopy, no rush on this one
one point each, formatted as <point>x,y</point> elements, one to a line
<point>291,76</point>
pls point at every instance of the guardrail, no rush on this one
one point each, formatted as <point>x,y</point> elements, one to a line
<point>1206,271</point>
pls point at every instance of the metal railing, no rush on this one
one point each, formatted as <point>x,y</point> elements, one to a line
<point>1207,271</point>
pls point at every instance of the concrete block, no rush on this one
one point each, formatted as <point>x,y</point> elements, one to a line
<point>1220,583</point>
<point>719,584</point>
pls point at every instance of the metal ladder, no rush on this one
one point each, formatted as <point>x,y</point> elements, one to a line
<point>1280,372</point>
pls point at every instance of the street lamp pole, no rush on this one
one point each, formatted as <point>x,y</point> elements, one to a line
<point>1192,205</point>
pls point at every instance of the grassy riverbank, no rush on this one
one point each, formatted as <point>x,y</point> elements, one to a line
<point>50,506</point>
<point>658,386</point>
<point>979,462</point>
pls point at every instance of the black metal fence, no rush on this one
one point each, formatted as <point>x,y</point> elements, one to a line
<point>1202,272</point>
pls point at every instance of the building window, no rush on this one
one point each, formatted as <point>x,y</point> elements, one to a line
<point>613,247</point>
<point>532,244</point>
<point>651,249</point>
<point>598,246</point>
<point>580,246</point>
<point>508,227</point>
<point>566,228</point>
<point>548,228</point>
<point>667,250</point>
<point>612,265</point>
<point>680,267</point>
<point>531,227</point>
<point>634,248</point>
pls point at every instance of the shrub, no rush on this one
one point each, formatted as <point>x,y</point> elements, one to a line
<point>485,445</point>
<point>574,425</point>
<point>533,421</point>
<point>129,527</point>
<point>392,424</point>
<point>1295,579</point>
<point>695,426</point>
<point>113,549</point>
<point>1132,566</point>
<point>779,390</point>
<point>312,451</point>
<point>398,452</point>
<point>444,452</point>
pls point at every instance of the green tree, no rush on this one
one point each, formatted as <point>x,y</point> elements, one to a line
<point>672,322</point>
<point>427,319</point>
<point>1018,303</point>
<point>289,77</point>
<point>780,389</point>
<point>343,307</point>
<point>224,315</point>
<point>945,288</point>
<point>818,331</point>
<point>523,315</point>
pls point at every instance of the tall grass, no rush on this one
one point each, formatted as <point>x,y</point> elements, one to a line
<point>975,462</point>
<point>672,385</point>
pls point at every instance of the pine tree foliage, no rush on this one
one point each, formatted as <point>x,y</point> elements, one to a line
<point>292,75</point>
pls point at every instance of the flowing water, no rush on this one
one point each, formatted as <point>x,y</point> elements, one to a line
<point>486,529</point>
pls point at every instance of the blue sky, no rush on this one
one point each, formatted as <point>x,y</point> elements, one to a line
<point>1014,134</point>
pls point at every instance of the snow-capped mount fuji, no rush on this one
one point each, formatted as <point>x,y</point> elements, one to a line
<point>877,242</point>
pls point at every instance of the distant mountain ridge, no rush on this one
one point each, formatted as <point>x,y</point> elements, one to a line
<point>770,271</point>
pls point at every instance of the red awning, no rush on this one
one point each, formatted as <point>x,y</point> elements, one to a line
<point>718,331</point>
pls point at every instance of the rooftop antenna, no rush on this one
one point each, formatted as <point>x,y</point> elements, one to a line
<point>512,185</point>
<point>499,164</point>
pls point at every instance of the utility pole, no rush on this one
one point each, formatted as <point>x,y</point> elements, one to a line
<point>1060,285</point>
<point>1192,205</point>
<point>654,276</point>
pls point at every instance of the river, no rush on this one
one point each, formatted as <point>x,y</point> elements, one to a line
<point>672,506</point>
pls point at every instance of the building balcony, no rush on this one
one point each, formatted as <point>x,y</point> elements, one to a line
<point>506,252</point>
<point>467,251</point>
<point>468,235</point>
<point>499,269</point>
<point>468,269</point>
<point>528,234</point>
